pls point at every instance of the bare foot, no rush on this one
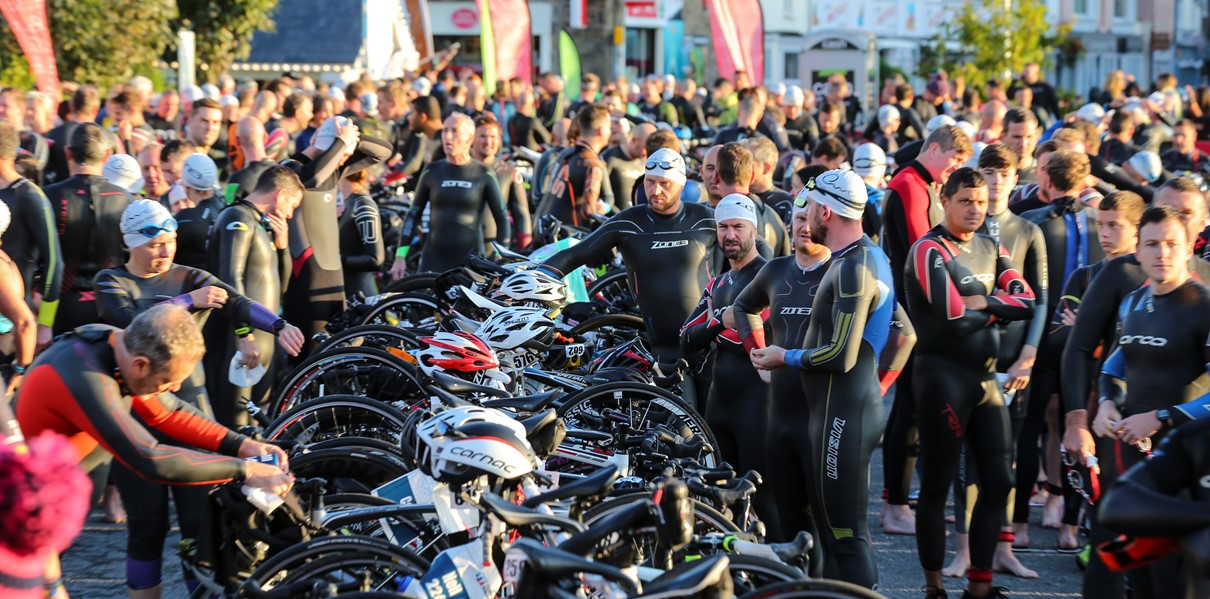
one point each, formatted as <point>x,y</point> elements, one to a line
<point>114,512</point>
<point>898,520</point>
<point>1052,514</point>
<point>1021,535</point>
<point>962,559</point>
<point>1069,537</point>
<point>1005,561</point>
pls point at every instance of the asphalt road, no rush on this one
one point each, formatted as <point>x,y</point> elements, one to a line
<point>94,567</point>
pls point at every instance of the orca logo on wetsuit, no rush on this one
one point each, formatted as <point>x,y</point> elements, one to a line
<point>980,277</point>
<point>663,245</point>
<point>456,183</point>
<point>1143,340</point>
<point>791,311</point>
<point>237,226</point>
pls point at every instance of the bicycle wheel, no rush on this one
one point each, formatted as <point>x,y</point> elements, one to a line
<point>375,336</point>
<point>626,409</point>
<point>406,310</point>
<point>813,589</point>
<point>750,572</point>
<point>348,470</point>
<point>612,292</point>
<point>419,532</point>
<point>706,519</point>
<point>338,416</point>
<point>424,282</point>
<point>611,323</point>
<point>362,371</point>
<point>351,564</point>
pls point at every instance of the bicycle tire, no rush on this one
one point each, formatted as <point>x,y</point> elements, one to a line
<point>628,321</point>
<point>417,283</point>
<point>360,443</point>
<point>325,554</point>
<point>711,519</point>
<point>813,589</point>
<point>360,371</point>
<point>612,291</point>
<point>674,413</point>
<point>338,416</point>
<point>375,336</point>
<point>348,470</point>
<point>750,572</point>
<point>406,310</point>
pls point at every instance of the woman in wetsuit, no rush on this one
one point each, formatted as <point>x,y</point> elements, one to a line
<point>361,249</point>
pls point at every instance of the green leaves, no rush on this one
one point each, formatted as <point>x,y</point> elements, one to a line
<point>987,39</point>
<point>224,29</point>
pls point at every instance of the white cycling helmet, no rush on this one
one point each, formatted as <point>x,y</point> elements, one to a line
<point>518,328</point>
<point>533,288</point>
<point>461,444</point>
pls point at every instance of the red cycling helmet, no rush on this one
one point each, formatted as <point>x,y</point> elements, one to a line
<point>455,352</point>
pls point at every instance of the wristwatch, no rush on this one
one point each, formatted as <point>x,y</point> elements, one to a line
<point>1165,418</point>
<point>19,369</point>
<point>278,325</point>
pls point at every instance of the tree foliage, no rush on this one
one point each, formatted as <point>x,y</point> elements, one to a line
<point>99,41</point>
<point>984,39</point>
<point>223,30</point>
<point>108,41</point>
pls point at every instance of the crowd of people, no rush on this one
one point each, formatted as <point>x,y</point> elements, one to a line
<point>1017,275</point>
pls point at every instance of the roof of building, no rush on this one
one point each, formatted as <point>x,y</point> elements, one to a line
<point>312,31</point>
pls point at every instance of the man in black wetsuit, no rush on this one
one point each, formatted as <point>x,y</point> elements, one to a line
<point>577,187</point>
<point>316,293</point>
<point>959,283</point>
<point>199,179</point>
<point>203,127</point>
<point>666,245</point>
<point>624,164</point>
<point>1184,157</point>
<point>736,404</point>
<point>851,319</point>
<point>1021,136</point>
<point>30,239</point>
<point>729,169</point>
<point>750,111</point>
<point>485,148</point>
<point>150,278</point>
<point>764,159</point>
<point>457,191</point>
<point>248,251</point>
<point>88,209</point>
<point>524,129</point>
<point>1019,343</point>
<point>424,125</point>
<point>1154,380</point>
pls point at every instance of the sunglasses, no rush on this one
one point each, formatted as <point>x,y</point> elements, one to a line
<point>153,231</point>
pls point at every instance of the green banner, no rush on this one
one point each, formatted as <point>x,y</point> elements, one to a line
<point>569,64</point>
<point>487,45</point>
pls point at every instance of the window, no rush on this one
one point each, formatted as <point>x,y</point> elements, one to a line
<point>1081,7</point>
<point>791,66</point>
<point>1119,8</point>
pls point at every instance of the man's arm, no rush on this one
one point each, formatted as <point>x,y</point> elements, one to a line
<point>855,289</point>
<point>1036,277</point>
<point>14,308</point>
<point>420,199</point>
<point>1145,502</point>
<point>1098,311</point>
<point>750,306</point>
<point>898,348</point>
<point>495,203</point>
<point>40,223</point>
<point>915,200</point>
<point>1013,300</point>
<point>701,327</point>
<point>114,304</point>
<point>235,242</point>
<point>594,246</point>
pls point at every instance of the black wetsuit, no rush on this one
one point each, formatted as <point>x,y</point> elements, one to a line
<point>802,132</point>
<point>1197,163</point>
<point>955,383</point>
<point>781,202</point>
<point>456,197</point>
<point>317,292</point>
<point>851,319</point>
<point>1160,362</point>
<point>666,260</point>
<point>32,243</point>
<point>1166,496</point>
<point>512,191</point>
<point>1026,247</point>
<point>361,246</point>
<point>242,254</point>
<point>787,291</point>
<point>623,173</point>
<point>569,207</point>
<point>738,399</point>
<point>1117,151</point>
<point>688,112</point>
<point>417,153</point>
<point>193,231</point>
<point>527,132</point>
<point>243,181</point>
<point>88,212</point>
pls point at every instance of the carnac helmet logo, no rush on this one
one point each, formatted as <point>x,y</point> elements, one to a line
<point>1143,340</point>
<point>483,458</point>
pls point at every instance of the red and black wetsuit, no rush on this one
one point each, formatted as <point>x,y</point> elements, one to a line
<point>958,399</point>
<point>71,389</point>
<point>88,212</point>
<point>569,207</point>
<point>912,207</point>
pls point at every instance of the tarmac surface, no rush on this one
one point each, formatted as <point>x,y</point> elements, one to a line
<point>94,566</point>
